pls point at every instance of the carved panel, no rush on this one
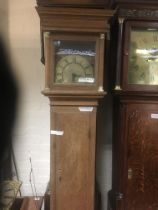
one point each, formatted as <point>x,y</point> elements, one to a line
<point>142,159</point>
<point>135,13</point>
<point>136,4</point>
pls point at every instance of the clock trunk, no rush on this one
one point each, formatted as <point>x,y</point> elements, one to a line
<point>73,157</point>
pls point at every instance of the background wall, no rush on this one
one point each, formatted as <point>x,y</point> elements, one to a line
<point>19,24</point>
<point>4,18</point>
<point>104,149</point>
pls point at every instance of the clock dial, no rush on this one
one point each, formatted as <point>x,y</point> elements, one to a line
<point>74,69</point>
<point>143,59</point>
<point>74,62</point>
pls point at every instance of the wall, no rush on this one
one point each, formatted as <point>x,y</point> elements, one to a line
<point>4,18</point>
<point>104,149</point>
<point>31,137</point>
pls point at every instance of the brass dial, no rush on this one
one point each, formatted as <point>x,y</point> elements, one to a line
<point>143,57</point>
<point>74,69</point>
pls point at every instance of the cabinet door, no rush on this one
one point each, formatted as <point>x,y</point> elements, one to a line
<point>140,181</point>
<point>73,158</point>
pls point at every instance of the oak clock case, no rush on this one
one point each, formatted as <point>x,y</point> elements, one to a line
<point>74,49</point>
<point>140,60</point>
<point>74,61</point>
<point>74,82</point>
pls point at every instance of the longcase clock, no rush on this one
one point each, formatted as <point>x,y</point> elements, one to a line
<point>73,46</point>
<point>135,148</point>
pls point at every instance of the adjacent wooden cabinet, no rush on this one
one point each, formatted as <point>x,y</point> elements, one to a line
<point>135,115</point>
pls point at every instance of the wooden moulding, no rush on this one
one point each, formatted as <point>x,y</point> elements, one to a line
<point>78,24</point>
<point>75,96</point>
<point>74,19</point>
<point>56,101</point>
<point>71,20</point>
<point>76,3</point>
<point>71,100</point>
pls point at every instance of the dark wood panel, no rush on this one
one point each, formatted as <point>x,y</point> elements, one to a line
<point>142,158</point>
<point>135,165</point>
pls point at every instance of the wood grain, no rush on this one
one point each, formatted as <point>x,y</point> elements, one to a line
<point>73,159</point>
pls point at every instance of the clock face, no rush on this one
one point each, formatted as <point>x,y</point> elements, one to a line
<point>143,57</point>
<point>74,69</point>
<point>74,62</point>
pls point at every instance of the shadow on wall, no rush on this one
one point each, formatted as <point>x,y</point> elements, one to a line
<point>104,136</point>
<point>104,149</point>
<point>8,104</point>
